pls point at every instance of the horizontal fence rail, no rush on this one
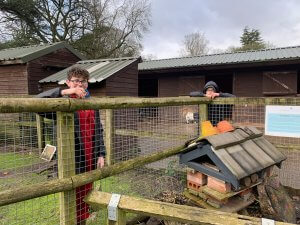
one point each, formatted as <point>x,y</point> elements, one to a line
<point>13,105</point>
<point>166,211</point>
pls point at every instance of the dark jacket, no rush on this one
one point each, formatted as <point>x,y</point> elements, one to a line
<point>216,113</point>
<point>213,85</point>
<point>98,143</point>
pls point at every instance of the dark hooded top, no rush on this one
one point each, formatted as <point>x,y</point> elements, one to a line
<point>97,139</point>
<point>210,84</point>
<point>216,113</point>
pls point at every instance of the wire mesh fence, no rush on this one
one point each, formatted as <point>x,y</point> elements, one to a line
<point>26,157</point>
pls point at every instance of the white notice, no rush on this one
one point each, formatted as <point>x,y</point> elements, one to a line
<point>282,121</point>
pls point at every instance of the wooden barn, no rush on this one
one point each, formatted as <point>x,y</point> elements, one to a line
<point>108,77</point>
<point>22,68</point>
<point>268,72</point>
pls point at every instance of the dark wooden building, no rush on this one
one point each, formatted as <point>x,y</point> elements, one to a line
<point>108,77</point>
<point>269,72</point>
<point>22,68</point>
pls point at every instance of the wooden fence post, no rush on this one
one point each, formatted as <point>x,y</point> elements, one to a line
<point>109,132</point>
<point>40,133</point>
<point>66,165</point>
<point>203,115</point>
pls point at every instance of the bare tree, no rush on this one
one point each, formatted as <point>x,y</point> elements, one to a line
<point>98,28</point>
<point>195,44</point>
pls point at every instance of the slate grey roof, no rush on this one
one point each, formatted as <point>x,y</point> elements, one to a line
<point>99,69</point>
<point>28,53</point>
<point>245,151</point>
<point>265,55</point>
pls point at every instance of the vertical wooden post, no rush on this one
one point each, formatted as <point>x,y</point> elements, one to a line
<point>121,218</point>
<point>40,133</point>
<point>66,165</point>
<point>203,115</point>
<point>109,132</point>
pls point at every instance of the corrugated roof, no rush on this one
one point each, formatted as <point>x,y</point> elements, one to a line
<point>99,69</point>
<point>274,54</point>
<point>245,151</point>
<point>28,53</point>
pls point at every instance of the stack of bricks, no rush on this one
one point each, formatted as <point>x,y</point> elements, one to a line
<point>195,180</point>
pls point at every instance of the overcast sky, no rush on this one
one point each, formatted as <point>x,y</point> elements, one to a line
<point>222,21</point>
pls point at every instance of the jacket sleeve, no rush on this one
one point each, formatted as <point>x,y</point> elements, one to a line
<point>53,93</point>
<point>226,95</point>
<point>99,142</point>
<point>197,94</point>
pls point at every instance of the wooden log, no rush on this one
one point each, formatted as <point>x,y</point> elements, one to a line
<point>275,202</point>
<point>66,184</point>
<point>254,178</point>
<point>246,181</point>
<point>168,211</point>
<point>14,105</point>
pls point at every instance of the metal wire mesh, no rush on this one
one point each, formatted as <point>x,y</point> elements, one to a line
<point>136,132</point>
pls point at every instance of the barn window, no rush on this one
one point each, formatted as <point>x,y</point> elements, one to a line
<point>280,83</point>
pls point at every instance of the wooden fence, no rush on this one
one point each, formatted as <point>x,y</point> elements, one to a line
<point>68,181</point>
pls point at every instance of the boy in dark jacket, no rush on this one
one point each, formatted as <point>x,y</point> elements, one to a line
<point>210,90</point>
<point>216,113</point>
<point>88,131</point>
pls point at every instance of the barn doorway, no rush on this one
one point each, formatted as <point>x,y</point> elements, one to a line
<point>224,81</point>
<point>148,87</point>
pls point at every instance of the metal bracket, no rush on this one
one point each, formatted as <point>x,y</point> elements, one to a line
<point>112,207</point>
<point>267,221</point>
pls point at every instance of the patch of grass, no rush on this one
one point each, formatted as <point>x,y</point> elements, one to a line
<point>43,210</point>
<point>14,160</point>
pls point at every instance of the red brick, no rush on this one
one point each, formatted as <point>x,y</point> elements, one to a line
<point>218,185</point>
<point>197,177</point>
<point>192,185</point>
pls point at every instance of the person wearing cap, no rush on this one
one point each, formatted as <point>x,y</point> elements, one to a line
<point>216,113</point>
<point>210,90</point>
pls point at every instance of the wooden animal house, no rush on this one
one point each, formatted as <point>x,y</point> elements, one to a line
<point>224,165</point>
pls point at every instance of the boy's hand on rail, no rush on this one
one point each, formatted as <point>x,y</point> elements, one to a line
<point>78,91</point>
<point>212,95</point>
<point>100,162</point>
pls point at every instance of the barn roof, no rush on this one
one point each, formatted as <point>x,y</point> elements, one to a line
<point>265,55</point>
<point>99,69</point>
<point>28,53</point>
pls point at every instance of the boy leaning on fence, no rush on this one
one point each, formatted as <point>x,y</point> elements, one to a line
<point>88,132</point>
<point>216,113</point>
